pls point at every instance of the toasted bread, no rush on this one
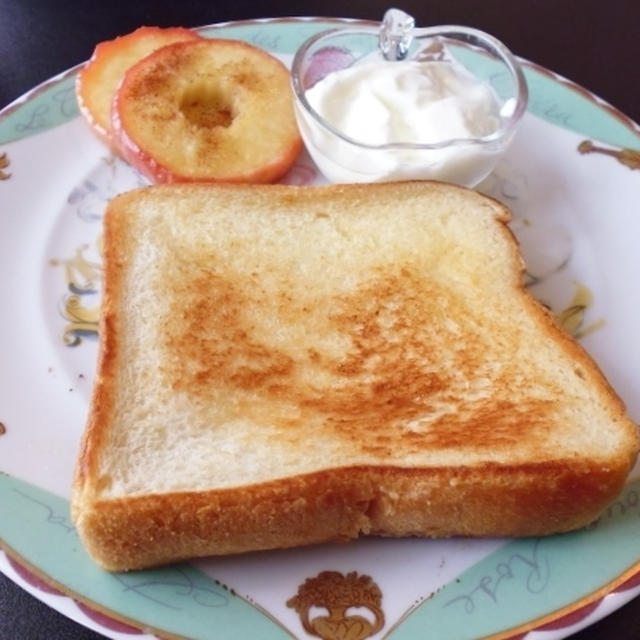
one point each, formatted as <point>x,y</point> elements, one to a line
<point>283,366</point>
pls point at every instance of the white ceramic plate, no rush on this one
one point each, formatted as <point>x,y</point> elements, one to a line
<point>575,194</point>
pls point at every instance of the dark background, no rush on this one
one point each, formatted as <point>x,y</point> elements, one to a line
<point>595,43</point>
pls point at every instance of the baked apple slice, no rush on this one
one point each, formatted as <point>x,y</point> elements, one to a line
<point>213,110</point>
<point>96,84</point>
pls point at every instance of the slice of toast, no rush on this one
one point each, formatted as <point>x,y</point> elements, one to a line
<point>283,366</point>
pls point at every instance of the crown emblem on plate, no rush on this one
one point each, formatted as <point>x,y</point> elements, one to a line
<point>336,594</point>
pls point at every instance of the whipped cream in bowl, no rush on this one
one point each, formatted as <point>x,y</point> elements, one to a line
<point>398,103</point>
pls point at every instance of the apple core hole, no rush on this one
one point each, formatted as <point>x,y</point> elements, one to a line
<point>207,107</point>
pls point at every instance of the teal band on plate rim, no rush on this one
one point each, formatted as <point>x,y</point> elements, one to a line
<point>177,599</point>
<point>554,573</point>
<point>553,98</point>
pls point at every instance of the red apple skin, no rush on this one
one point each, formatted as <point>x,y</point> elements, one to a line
<point>98,80</point>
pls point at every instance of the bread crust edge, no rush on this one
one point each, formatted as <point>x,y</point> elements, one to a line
<point>488,500</point>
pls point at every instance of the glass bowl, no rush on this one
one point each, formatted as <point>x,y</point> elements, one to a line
<point>461,160</point>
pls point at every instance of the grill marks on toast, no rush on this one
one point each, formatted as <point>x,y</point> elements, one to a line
<point>371,365</point>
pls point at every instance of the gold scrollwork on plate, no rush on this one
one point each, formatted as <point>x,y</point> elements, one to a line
<point>573,315</point>
<point>82,320</point>
<point>4,163</point>
<point>628,157</point>
<point>82,276</point>
<point>337,593</point>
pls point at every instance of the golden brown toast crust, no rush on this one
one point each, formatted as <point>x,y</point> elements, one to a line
<point>378,385</point>
<point>341,504</point>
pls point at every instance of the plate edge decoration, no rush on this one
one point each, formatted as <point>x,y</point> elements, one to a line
<point>37,581</point>
<point>542,570</point>
<point>49,109</point>
<point>585,93</point>
<point>576,612</point>
<point>26,130</point>
<point>161,598</point>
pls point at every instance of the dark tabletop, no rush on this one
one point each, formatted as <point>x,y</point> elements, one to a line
<point>595,43</point>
